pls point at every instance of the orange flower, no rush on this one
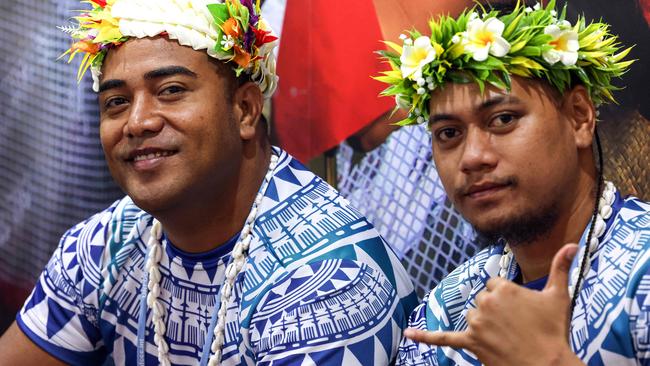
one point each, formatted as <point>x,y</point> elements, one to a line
<point>231,28</point>
<point>85,46</point>
<point>242,58</point>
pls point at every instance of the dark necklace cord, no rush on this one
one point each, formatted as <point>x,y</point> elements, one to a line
<point>586,258</point>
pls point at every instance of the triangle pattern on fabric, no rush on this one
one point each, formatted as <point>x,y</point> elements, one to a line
<point>87,289</point>
<point>295,164</point>
<point>75,234</point>
<point>295,283</point>
<point>96,230</point>
<point>211,272</point>
<point>96,252</point>
<point>364,350</point>
<point>333,356</point>
<point>57,317</point>
<point>287,175</point>
<point>37,297</point>
<point>272,191</point>
<point>73,263</point>
<point>189,269</point>
<point>349,359</point>
<point>340,275</point>
<point>71,248</point>
<point>385,337</point>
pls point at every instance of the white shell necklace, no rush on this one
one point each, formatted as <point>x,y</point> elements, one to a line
<point>235,265</point>
<point>603,213</point>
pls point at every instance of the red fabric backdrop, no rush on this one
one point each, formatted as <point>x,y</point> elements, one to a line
<point>325,63</point>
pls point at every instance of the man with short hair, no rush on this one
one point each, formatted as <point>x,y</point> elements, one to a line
<point>226,249</point>
<point>510,101</point>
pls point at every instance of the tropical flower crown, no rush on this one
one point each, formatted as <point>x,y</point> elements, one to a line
<point>232,31</point>
<point>489,48</point>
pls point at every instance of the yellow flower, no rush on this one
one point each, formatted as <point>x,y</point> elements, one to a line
<point>416,56</point>
<point>482,38</point>
<point>565,45</point>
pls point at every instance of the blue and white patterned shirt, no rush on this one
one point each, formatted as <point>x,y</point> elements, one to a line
<point>611,320</point>
<point>320,286</point>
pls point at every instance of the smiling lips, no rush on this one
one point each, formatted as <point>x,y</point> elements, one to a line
<point>148,158</point>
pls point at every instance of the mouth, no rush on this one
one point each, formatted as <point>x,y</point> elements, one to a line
<point>147,158</point>
<point>486,190</point>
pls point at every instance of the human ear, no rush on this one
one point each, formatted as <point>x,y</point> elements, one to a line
<point>248,103</point>
<point>582,113</point>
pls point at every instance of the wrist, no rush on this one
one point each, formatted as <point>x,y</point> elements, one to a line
<point>564,357</point>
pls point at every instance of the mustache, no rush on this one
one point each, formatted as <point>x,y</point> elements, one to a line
<point>497,181</point>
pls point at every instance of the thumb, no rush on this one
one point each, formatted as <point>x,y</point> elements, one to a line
<point>558,278</point>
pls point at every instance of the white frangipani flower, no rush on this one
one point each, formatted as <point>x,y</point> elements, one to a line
<point>227,43</point>
<point>415,57</point>
<point>482,38</point>
<point>565,46</point>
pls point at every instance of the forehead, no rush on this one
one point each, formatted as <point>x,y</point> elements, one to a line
<point>137,56</point>
<point>455,97</point>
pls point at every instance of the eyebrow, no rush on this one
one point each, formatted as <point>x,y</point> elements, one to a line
<point>153,74</point>
<point>169,71</point>
<point>110,84</point>
<point>501,99</point>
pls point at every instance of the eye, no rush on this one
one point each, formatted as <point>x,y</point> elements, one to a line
<point>172,89</point>
<point>446,134</point>
<point>114,102</point>
<point>503,120</point>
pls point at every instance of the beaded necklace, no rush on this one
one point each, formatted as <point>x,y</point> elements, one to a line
<point>151,292</point>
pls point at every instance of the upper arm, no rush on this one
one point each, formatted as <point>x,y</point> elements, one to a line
<point>331,312</point>
<point>60,316</point>
<point>17,349</point>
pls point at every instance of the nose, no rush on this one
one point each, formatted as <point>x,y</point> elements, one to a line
<point>144,120</point>
<point>478,152</point>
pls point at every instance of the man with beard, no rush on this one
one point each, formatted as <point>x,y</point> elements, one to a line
<point>226,251</point>
<point>511,101</point>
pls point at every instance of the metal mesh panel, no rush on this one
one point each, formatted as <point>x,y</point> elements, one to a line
<point>52,170</point>
<point>397,187</point>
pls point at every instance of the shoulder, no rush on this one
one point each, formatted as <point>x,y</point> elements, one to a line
<point>62,313</point>
<point>629,237</point>
<point>305,220</point>
<point>86,249</point>
<point>94,239</point>
<point>635,213</point>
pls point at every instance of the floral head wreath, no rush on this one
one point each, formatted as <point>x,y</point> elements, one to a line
<point>232,31</point>
<point>489,48</point>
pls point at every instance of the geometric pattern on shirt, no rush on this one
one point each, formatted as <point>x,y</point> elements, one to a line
<point>610,320</point>
<point>89,293</point>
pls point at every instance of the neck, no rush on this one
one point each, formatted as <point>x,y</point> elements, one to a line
<point>206,223</point>
<point>534,258</point>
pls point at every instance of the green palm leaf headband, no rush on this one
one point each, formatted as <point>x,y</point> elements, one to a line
<point>489,48</point>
